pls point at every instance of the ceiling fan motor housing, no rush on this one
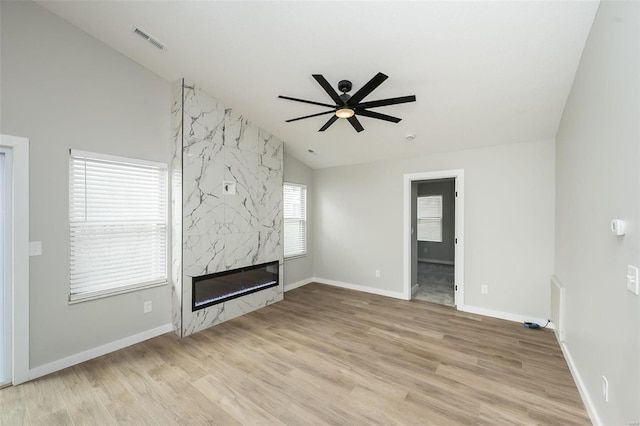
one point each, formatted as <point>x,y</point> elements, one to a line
<point>345,98</point>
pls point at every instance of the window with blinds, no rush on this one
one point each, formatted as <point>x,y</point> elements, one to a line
<point>117,224</point>
<point>430,218</point>
<point>295,219</point>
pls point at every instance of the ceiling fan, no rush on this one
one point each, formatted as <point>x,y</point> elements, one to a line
<point>350,106</point>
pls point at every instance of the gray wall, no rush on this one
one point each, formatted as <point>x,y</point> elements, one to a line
<point>598,151</point>
<point>509,207</point>
<point>443,251</point>
<point>63,89</point>
<point>300,268</point>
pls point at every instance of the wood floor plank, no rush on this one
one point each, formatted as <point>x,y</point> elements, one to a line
<point>151,396</point>
<point>113,394</point>
<point>83,405</point>
<point>233,402</point>
<point>13,408</point>
<point>322,356</point>
<point>56,418</point>
<point>44,401</point>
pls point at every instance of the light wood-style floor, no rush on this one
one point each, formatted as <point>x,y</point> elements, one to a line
<point>322,356</point>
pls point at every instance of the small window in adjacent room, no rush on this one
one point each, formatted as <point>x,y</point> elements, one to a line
<point>430,218</point>
<point>117,225</point>
<point>295,219</point>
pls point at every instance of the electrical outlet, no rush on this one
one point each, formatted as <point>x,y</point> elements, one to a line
<point>605,389</point>
<point>377,273</point>
<point>148,307</point>
<point>484,289</point>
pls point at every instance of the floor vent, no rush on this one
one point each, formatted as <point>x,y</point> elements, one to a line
<point>144,35</point>
<point>557,307</point>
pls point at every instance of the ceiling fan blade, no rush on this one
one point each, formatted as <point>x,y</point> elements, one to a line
<point>327,88</point>
<point>306,102</point>
<point>356,124</point>
<point>309,116</point>
<point>328,123</point>
<point>367,88</point>
<point>373,114</point>
<point>385,102</point>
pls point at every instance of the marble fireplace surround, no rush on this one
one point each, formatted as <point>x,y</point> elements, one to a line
<point>212,231</point>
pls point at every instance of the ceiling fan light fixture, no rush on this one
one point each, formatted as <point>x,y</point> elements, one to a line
<point>345,113</point>
<point>345,105</point>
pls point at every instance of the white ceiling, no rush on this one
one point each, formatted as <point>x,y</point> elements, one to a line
<point>484,73</point>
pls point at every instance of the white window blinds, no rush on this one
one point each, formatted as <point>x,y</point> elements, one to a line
<point>430,218</point>
<point>295,219</point>
<point>117,224</point>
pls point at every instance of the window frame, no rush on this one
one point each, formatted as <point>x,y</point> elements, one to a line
<point>162,168</point>
<point>302,220</point>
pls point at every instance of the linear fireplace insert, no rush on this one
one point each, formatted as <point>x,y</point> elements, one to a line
<point>222,286</point>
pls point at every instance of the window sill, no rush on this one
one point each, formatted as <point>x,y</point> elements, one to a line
<point>295,256</point>
<point>87,297</point>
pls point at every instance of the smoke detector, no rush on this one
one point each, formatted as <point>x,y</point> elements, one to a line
<point>146,37</point>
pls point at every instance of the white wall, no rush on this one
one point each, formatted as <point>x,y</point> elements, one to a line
<point>300,269</point>
<point>63,89</point>
<point>509,224</point>
<point>598,152</point>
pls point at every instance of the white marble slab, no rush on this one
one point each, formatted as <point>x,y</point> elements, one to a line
<point>243,249</point>
<point>240,133</point>
<point>242,210</point>
<point>203,254</point>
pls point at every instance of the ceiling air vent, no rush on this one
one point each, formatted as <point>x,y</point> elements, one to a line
<point>154,42</point>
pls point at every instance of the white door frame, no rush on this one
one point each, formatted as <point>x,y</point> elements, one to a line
<point>6,288</point>
<point>20,254</point>
<point>458,175</point>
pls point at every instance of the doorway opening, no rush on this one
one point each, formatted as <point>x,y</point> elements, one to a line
<point>434,229</point>
<point>435,235</point>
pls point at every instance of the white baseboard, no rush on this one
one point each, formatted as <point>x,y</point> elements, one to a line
<point>365,289</point>
<point>72,360</point>
<point>297,284</point>
<point>414,288</point>
<point>582,389</point>
<point>503,315</point>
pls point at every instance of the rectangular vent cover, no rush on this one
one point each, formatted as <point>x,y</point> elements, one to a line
<point>152,40</point>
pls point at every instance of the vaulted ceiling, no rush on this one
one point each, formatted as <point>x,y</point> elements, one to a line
<point>484,72</point>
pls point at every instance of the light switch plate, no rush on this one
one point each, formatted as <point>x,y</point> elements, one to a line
<point>618,226</point>
<point>632,279</point>
<point>35,248</point>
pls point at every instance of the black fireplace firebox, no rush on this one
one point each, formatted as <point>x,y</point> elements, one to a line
<point>216,288</point>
